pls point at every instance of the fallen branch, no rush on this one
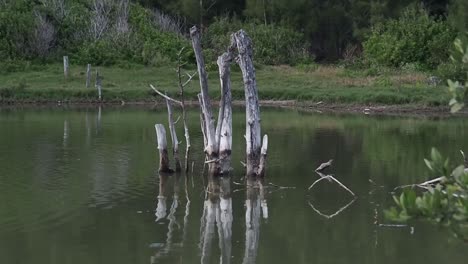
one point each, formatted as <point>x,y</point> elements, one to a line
<point>421,185</point>
<point>323,175</point>
<point>333,178</point>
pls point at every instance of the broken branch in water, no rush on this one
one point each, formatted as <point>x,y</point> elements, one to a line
<point>323,175</point>
<point>281,187</point>
<point>334,214</point>
<point>398,226</point>
<point>421,185</point>
<point>332,178</point>
<point>324,165</point>
<point>165,96</point>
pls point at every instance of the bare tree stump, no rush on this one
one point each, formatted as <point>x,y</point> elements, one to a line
<point>162,146</point>
<point>65,66</point>
<point>252,114</point>
<point>224,126</point>
<point>88,75</point>
<point>175,142</point>
<point>98,85</point>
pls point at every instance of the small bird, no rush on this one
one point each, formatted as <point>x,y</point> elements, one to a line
<point>325,165</point>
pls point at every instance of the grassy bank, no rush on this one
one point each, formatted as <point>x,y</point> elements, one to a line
<point>331,84</point>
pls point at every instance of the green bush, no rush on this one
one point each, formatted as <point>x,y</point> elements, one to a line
<point>156,44</point>
<point>451,71</point>
<point>415,37</point>
<point>272,44</point>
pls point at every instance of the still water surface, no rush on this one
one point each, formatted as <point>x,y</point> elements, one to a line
<point>81,186</point>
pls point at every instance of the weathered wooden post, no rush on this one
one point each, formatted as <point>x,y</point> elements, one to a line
<point>65,66</point>
<point>88,75</point>
<point>162,147</point>
<point>98,85</point>
<point>175,142</point>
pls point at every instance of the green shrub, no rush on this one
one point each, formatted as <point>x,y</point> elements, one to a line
<point>415,37</point>
<point>272,44</point>
<point>451,71</point>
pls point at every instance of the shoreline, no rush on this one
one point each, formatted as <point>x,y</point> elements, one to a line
<point>306,106</point>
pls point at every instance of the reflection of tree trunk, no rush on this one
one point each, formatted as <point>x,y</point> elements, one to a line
<point>161,212</point>
<point>187,209</point>
<point>224,220</point>
<point>161,207</point>
<point>207,229</point>
<point>255,203</point>
<point>65,133</point>
<point>98,120</point>
<point>217,212</point>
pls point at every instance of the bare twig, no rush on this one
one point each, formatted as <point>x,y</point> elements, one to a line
<point>189,79</point>
<point>177,120</point>
<point>165,96</point>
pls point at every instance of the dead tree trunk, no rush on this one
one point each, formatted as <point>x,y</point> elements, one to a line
<point>217,139</point>
<point>175,142</point>
<point>210,147</point>
<point>65,66</point>
<point>162,146</point>
<point>252,114</point>
<point>88,75</point>
<point>224,126</point>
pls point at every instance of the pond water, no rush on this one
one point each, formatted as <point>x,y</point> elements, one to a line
<point>81,186</point>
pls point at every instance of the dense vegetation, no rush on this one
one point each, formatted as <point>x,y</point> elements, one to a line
<point>104,32</point>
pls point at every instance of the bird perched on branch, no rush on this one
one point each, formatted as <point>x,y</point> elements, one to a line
<point>325,165</point>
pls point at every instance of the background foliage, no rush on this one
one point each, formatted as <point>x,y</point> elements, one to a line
<point>105,32</point>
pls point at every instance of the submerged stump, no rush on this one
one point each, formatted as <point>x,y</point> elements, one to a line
<point>162,147</point>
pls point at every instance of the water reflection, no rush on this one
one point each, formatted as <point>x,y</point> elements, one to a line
<point>331,179</point>
<point>255,207</point>
<point>217,213</point>
<point>161,214</point>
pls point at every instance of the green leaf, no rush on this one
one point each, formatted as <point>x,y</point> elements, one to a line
<point>435,155</point>
<point>429,164</point>
<point>458,45</point>
<point>458,171</point>
<point>456,107</point>
<point>453,101</point>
